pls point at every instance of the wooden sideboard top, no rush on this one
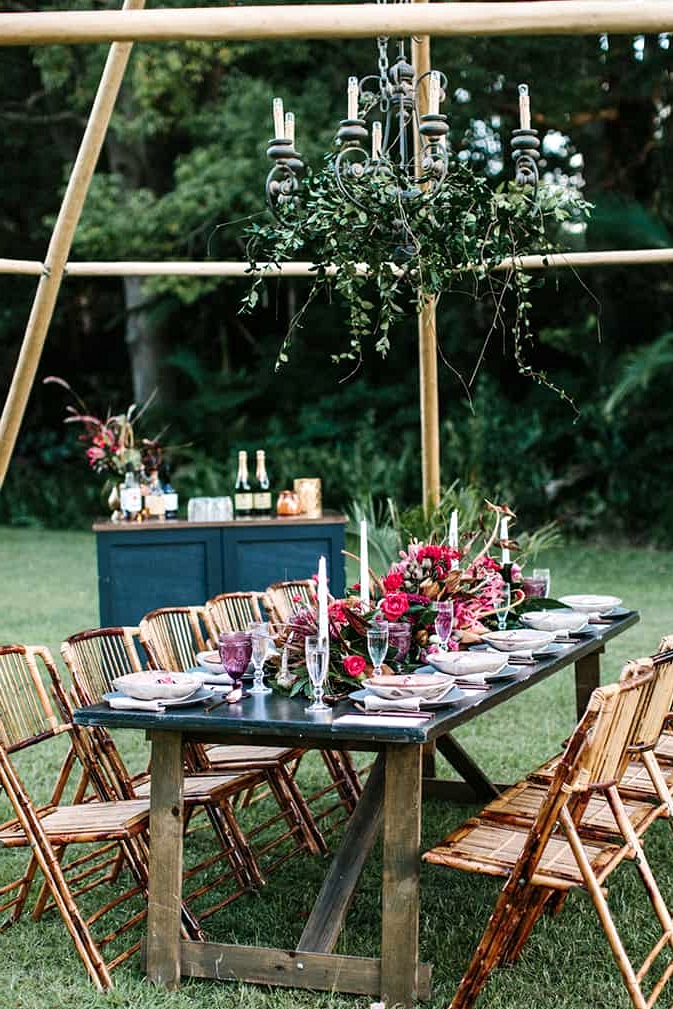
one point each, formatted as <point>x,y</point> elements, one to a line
<point>105,526</point>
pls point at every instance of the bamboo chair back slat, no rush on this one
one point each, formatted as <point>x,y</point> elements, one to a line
<point>173,636</point>
<point>283,599</point>
<point>26,710</point>
<point>659,704</point>
<point>97,657</point>
<point>233,611</point>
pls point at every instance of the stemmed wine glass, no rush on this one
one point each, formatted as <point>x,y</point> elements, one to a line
<point>444,622</point>
<point>399,642</point>
<point>235,649</point>
<point>377,644</point>
<point>317,656</point>
<point>505,603</point>
<point>259,631</point>
<point>544,575</point>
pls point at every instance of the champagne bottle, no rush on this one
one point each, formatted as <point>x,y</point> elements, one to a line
<point>261,496</point>
<point>154,502</point>
<point>130,499</point>
<point>170,495</point>
<point>242,490</point>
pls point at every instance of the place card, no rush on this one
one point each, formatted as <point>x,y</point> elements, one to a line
<point>390,721</point>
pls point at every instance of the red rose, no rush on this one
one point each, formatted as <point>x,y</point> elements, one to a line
<point>393,581</point>
<point>354,665</point>
<point>394,605</point>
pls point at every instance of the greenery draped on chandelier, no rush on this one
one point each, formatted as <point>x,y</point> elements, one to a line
<point>389,228</point>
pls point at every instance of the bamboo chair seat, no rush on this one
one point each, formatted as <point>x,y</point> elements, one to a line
<point>520,804</point>
<point>664,748</point>
<point>82,823</point>
<point>493,849</point>
<point>538,844</point>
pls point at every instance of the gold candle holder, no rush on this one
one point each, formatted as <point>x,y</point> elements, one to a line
<point>309,490</point>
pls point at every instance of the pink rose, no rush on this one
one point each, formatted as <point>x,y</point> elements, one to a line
<point>394,605</point>
<point>354,665</point>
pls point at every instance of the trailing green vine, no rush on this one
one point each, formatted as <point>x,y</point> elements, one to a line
<point>396,245</point>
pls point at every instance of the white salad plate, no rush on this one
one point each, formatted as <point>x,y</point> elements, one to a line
<point>526,640</point>
<point>591,604</point>
<point>451,695</point>
<point>427,685</point>
<point>159,685</point>
<point>468,663</point>
<point>555,620</point>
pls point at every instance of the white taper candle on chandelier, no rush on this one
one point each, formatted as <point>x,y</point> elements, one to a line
<point>278,118</point>
<point>504,535</point>
<point>433,93</point>
<point>364,564</point>
<point>323,620</point>
<point>524,107</point>
<point>377,140</point>
<point>453,530</point>
<point>289,127</point>
<point>352,97</point>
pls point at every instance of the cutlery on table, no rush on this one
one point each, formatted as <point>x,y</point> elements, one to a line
<point>401,713</point>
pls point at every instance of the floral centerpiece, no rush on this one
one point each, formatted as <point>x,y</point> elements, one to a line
<point>425,574</point>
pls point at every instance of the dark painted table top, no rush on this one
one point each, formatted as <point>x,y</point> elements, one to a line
<point>275,719</point>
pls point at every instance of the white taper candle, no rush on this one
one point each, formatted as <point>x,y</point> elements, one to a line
<point>289,126</point>
<point>323,619</point>
<point>278,119</point>
<point>352,97</point>
<point>433,93</point>
<point>364,564</point>
<point>504,535</point>
<point>524,107</point>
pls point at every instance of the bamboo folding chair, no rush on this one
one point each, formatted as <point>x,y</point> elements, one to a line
<point>117,829</point>
<point>172,638</point>
<point>232,611</point>
<point>283,599</point>
<point>549,857</point>
<point>94,658</point>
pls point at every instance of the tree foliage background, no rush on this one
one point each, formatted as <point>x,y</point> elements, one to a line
<point>183,173</point>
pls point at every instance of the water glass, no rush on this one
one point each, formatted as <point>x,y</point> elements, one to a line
<point>443,621</point>
<point>377,644</point>
<point>235,648</point>
<point>544,574</point>
<point>261,639</point>
<point>317,658</point>
<point>399,641</point>
<point>505,604</point>
<point>533,588</point>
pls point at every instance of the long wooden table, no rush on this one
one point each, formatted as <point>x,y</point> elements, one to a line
<point>392,797</point>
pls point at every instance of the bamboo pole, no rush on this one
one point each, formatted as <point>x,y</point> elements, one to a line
<point>523,17</point>
<point>59,247</point>
<point>298,268</point>
<point>427,324</point>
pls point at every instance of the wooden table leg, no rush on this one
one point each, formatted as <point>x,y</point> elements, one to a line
<point>165,869</point>
<point>401,875</point>
<point>324,924</point>
<point>587,678</point>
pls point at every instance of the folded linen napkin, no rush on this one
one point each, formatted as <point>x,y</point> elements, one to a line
<point>374,703</point>
<point>134,704</point>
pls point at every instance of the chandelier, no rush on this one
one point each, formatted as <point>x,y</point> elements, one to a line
<point>386,138</point>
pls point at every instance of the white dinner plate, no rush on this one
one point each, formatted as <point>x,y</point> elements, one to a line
<point>591,603</point>
<point>202,694</point>
<point>519,640</point>
<point>452,696</point>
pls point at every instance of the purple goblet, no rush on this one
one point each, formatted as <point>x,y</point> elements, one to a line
<point>399,641</point>
<point>235,649</point>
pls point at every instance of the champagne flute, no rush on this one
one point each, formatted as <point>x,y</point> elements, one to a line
<point>317,657</point>
<point>444,622</point>
<point>259,631</point>
<point>377,644</point>
<point>503,609</point>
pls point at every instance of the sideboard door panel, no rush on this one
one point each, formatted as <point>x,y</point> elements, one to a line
<point>179,568</point>
<point>254,558</point>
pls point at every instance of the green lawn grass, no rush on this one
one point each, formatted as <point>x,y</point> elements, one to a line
<point>48,590</point>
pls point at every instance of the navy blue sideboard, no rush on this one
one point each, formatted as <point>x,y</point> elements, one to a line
<point>145,565</point>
